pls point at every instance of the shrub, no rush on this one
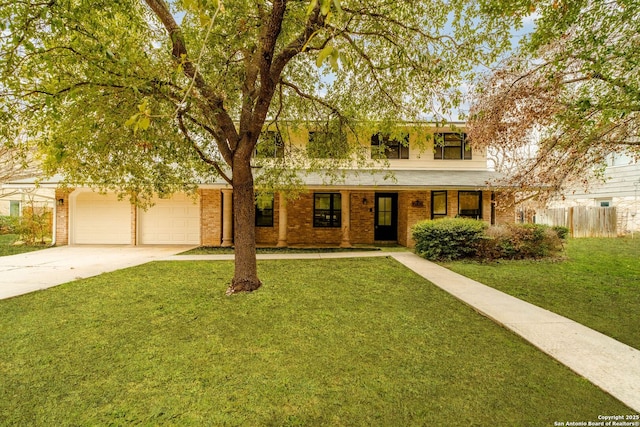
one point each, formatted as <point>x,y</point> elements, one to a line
<point>448,238</point>
<point>35,225</point>
<point>455,238</point>
<point>519,241</point>
<point>9,224</point>
<point>561,231</point>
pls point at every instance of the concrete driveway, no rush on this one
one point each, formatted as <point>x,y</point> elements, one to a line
<point>23,273</point>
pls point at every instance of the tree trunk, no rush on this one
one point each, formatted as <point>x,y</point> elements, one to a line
<point>245,278</point>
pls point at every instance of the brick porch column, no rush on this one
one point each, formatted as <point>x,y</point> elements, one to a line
<point>345,207</point>
<point>227,218</point>
<point>62,217</point>
<point>282,221</point>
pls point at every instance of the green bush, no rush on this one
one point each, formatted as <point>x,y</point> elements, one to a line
<point>9,224</point>
<point>519,241</point>
<point>448,238</point>
<point>455,238</point>
<point>561,231</point>
<point>33,227</point>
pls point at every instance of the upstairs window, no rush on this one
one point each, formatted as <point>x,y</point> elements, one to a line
<point>264,210</point>
<point>327,210</point>
<point>385,147</point>
<point>451,146</point>
<point>270,145</point>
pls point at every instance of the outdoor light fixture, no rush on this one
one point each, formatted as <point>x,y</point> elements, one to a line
<point>364,201</point>
<point>60,202</point>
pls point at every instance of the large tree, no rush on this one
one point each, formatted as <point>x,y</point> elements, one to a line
<point>572,92</point>
<point>156,96</point>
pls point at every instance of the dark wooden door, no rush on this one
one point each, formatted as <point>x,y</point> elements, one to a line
<point>386,217</point>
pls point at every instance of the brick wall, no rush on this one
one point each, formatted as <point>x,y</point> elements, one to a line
<point>301,230</point>
<point>403,213</point>
<point>486,206</point>
<point>210,217</point>
<point>362,217</point>
<point>413,207</point>
<point>452,203</point>
<point>62,217</point>
<point>505,209</point>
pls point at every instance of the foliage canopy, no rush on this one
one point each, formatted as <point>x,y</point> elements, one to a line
<point>575,83</point>
<point>74,73</point>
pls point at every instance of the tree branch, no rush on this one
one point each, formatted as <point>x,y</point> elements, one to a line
<point>215,103</point>
<point>199,151</point>
<point>273,73</point>
<point>320,101</point>
<point>372,68</point>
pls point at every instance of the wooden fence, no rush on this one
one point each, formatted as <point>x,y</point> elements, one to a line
<point>582,221</point>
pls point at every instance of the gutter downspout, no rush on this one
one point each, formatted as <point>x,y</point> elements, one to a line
<point>55,221</point>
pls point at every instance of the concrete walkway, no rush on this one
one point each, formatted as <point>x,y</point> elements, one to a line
<point>32,271</point>
<point>607,363</point>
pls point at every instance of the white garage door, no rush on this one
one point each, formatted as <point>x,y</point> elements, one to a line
<point>101,219</point>
<point>170,221</point>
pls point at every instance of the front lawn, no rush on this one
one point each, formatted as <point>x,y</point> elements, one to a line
<point>7,246</point>
<point>324,342</point>
<point>598,284</point>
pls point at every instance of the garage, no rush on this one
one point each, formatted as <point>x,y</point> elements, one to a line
<point>100,219</point>
<point>170,221</point>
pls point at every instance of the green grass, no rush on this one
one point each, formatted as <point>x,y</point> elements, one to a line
<point>352,342</point>
<point>598,284</point>
<point>8,248</point>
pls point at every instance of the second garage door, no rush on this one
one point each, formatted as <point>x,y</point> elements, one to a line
<point>171,221</point>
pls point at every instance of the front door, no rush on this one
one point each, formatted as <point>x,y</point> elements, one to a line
<point>386,220</point>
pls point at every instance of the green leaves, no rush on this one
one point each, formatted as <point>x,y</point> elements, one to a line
<point>325,7</point>
<point>142,119</point>
<point>204,9</point>
<point>324,53</point>
<point>331,52</point>
<point>103,82</point>
<point>312,5</point>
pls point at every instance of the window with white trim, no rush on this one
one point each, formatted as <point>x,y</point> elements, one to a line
<point>386,147</point>
<point>451,146</point>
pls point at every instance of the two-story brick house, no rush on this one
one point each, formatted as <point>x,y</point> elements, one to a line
<point>424,177</point>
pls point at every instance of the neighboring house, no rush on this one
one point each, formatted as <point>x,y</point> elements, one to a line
<point>620,189</point>
<point>14,201</point>
<point>9,207</point>
<point>429,180</point>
